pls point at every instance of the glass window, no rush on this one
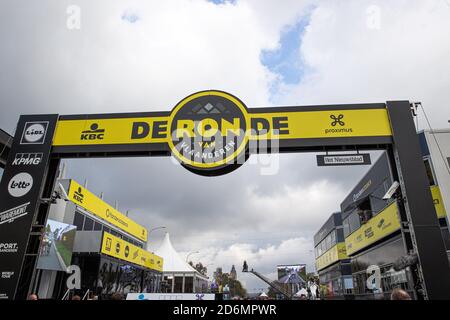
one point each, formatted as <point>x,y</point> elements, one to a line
<point>333,238</point>
<point>97,226</point>
<point>429,170</point>
<point>88,224</point>
<point>78,220</point>
<point>178,285</point>
<point>188,284</point>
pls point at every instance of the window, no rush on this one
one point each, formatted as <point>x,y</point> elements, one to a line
<point>351,223</point>
<point>429,170</point>
<point>78,220</point>
<point>97,226</point>
<point>88,224</point>
<point>178,285</point>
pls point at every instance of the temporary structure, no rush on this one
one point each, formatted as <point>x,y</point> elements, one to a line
<point>181,277</point>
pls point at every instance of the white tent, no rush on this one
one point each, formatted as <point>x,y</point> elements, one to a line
<point>172,260</point>
<point>263,295</point>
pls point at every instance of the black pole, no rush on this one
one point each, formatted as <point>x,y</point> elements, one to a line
<point>420,224</point>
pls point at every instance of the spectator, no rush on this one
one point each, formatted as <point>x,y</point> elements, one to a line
<point>245,267</point>
<point>33,297</point>
<point>400,294</point>
<point>76,298</point>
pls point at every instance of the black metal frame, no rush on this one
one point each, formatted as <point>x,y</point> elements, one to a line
<point>420,226</point>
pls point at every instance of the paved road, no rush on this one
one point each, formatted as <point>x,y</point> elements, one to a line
<point>51,261</point>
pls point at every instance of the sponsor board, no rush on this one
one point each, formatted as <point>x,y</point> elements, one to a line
<point>336,253</point>
<point>383,224</point>
<point>20,191</point>
<point>170,296</point>
<point>89,201</point>
<point>34,132</point>
<point>12,214</point>
<point>116,247</point>
<point>9,247</point>
<point>210,132</point>
<point>20,184</point>
<point>27,159</point>
<point>437,200</point>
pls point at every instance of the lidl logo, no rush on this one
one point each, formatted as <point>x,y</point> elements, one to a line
<point>34,132</point>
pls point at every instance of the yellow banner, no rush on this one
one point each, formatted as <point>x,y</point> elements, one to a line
<point>333,255</point>
<point>123,250</point>
<point>288,125</point>
<point>323,124</point>
<point>380,226</point>
<point>89,201</point>
<point>437,200</point>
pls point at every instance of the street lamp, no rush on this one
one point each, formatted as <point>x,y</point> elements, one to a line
<point>157,228</point>
<point>192,252</point>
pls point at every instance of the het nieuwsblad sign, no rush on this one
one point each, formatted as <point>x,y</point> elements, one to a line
<point>209,131</point>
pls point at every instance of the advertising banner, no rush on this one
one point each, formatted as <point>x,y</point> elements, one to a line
<point>121,249</point>
<point>331,256</point>
<point>437,200</point>
<point>171,296</point>
<point>380,226</point>
<point>89,201</point>
<point>20,191</point>
<point>212,132</point>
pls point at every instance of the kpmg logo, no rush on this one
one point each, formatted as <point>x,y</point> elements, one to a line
<point>34,132</point>
<point>20,184</point>
<point>10,215</point>
<point>27,159</point>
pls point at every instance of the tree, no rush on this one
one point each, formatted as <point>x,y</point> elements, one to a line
<point>199,267</point>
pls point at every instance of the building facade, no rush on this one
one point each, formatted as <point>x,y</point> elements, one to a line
<point>109,248</point>
<point>371,231</point>
<point>332,262</point>
<point>373,236</point>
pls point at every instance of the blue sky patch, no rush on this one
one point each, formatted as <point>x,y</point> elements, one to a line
<point>286,60</point>
<point>130,17</point>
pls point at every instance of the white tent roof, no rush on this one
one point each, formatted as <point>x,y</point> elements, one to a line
<point>263,295</point>
<point>172,261</point>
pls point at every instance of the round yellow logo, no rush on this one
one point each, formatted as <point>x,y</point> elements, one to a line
<point>209,132</point>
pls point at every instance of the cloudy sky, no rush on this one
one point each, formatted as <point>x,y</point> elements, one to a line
<point>71,57</point>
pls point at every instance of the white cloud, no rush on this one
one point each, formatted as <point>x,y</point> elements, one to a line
<point>405,58</point>
<point>261,259</point>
